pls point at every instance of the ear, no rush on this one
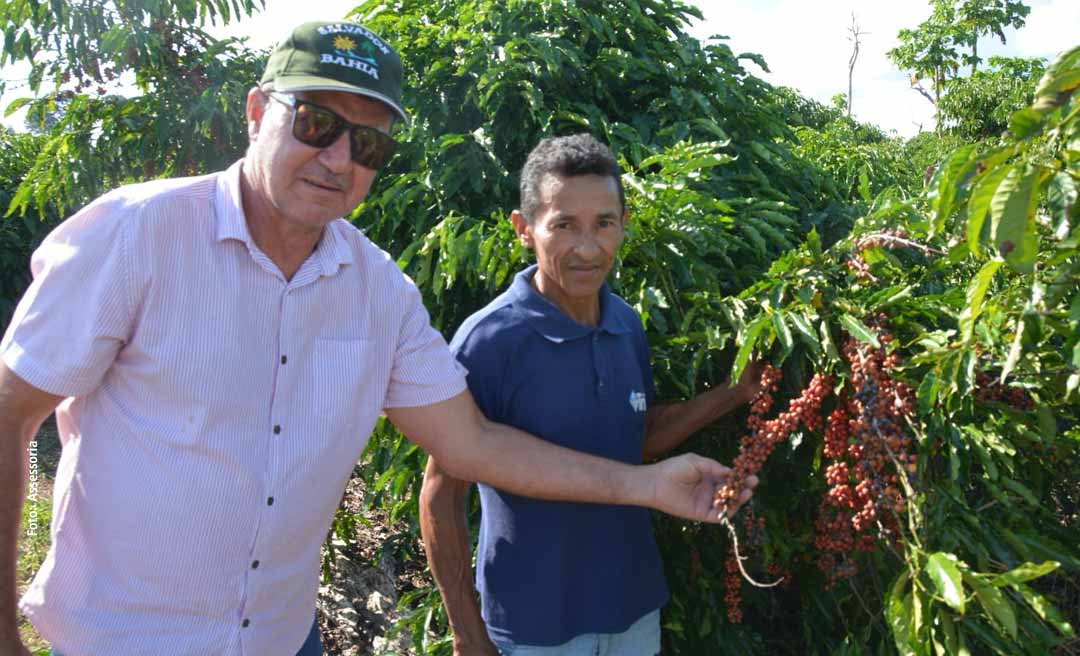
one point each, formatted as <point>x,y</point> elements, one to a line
<point>255,109</point>
<point>522,228</point>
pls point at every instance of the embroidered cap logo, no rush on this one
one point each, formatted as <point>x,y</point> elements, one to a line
<point>336,56</point>
<point>345,55</point>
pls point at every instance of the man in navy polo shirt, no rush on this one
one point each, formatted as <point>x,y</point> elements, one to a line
<point>560,356</point>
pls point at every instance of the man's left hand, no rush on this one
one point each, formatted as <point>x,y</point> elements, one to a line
<point>686,485</point>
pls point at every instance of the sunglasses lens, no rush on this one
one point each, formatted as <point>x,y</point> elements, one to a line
<point>316,127</point>
<point>371,148</point>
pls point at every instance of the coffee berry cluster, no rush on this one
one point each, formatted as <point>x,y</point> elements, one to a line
<point>989,390</point>
<point>764,435</point>
<point>756,446</point>
<point>868,448</point>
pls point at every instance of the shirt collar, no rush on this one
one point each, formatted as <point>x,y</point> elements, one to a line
<point>551,322</point>
<point>332,250</point>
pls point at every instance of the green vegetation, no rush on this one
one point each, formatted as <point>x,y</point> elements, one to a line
<point>763,224</point>
<point>935,50</point>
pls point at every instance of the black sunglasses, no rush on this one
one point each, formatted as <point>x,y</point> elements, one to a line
<point>319,127</point>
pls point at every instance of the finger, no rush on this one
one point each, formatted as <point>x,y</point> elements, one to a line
<point>709,467</point>
<point>751,482</point>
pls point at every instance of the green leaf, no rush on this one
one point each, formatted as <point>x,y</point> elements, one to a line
<point>1025,573</point>
<point>827,341</point>
<point>859,330</point>
<point>806,332</point>
<point>1025,123</point>
<point>1012,216</point>
<point>1044,609</point>
<point>1061,194</point>
<point>783,332</point>
<point>945,185</point>
<point>997,606</point>
<point>864,185</point>
<point>1061,79</point>
<point>979,205</point>
<point>747,346</point>
<point>813,241</point>
<point>976,292</point>
<point>16,105</point>
<point>898,614</point>
<point>942,570</point>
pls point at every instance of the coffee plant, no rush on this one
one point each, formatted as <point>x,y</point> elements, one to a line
<point>945,475</point>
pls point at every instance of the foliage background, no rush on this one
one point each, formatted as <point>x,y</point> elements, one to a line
<point>747,202</point>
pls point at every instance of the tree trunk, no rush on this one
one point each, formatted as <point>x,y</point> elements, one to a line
<point>974,52</point>
<point>939,79</point>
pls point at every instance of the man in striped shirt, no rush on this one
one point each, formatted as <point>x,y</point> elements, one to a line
<point>217,350</point>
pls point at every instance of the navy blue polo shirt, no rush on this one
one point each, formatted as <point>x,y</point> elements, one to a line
<point>548,571</point>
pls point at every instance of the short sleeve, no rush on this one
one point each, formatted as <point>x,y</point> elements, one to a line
<point>424,372</point>
<point>475,351</point>
<point>77,313</point>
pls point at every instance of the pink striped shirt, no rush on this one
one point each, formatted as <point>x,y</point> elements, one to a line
<point>216,411</point>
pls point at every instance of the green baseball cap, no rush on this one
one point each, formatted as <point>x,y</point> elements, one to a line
<point>336,56</point>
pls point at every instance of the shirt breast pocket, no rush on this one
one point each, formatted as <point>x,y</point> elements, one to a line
<point>347,383</point>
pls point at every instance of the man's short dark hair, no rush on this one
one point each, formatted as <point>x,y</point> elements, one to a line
<point>565,157</point>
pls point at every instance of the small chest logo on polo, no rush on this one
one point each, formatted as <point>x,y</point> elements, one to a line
<point>637,401</point>
<point>354,53</point>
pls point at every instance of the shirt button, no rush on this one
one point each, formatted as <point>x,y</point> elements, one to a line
<point>277,429</point>
<point>245,623</point>
<point>284,359</point>
<point>255,565</point>
<point>270,501</point>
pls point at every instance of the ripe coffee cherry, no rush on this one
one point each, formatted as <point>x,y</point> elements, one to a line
<point>764,435</point>
<point>868,449</point>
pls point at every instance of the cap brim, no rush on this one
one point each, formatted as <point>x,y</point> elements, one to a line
<point>291,83</point>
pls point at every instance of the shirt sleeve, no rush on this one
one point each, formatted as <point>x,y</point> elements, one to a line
<point>478,354</point>
<point>77,312</point>
<point>424,372</point>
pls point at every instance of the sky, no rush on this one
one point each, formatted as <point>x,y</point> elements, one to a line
<point>804,42</point>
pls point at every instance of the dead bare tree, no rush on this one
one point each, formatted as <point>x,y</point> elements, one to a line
<point>854,38</point>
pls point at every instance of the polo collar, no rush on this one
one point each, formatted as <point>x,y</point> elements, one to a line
<point>551,322</point>
<point>332,251</point>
